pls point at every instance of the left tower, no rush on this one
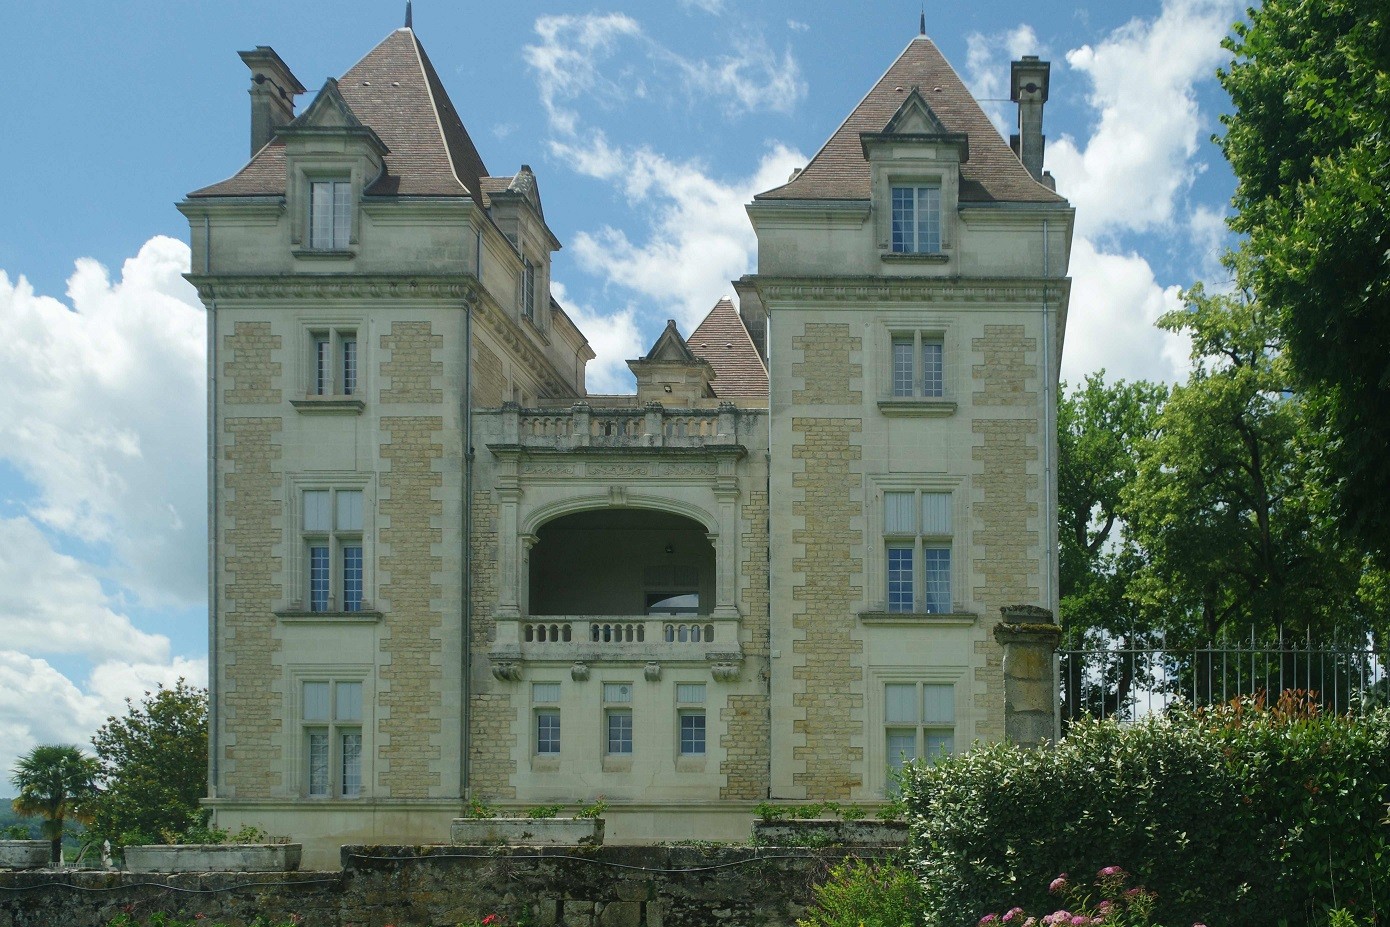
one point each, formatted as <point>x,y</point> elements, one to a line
<point>367,284</point>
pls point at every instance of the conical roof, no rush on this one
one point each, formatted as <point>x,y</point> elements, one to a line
<point>395,91</point>
<point>993,173</point>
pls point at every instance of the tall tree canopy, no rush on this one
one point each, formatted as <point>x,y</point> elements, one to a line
<point>1310,145</point>
<point>55,782</point>
<point>154,762</point>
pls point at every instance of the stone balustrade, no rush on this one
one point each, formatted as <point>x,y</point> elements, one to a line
<point>653,425</point>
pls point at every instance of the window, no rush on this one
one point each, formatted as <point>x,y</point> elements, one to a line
<point>333,549</point>
<point>617,718</point>
<point>545,697</point>
<point>919,367</point>
<point>332,713</point>
<point>330,214</point>
<point>919,722</point>
<point>917,538</point>
<point>917,220</point>
<point>528,289</point>
<point>333,363</point>
<point>690,709</point>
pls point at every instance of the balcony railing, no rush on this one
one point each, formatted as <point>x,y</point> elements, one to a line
<point>650,426</point>
<point>620,637</point>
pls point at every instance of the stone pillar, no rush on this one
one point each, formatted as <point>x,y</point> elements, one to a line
<point>1029,636</point>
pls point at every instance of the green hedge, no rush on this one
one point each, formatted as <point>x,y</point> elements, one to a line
<point>1238,816</point>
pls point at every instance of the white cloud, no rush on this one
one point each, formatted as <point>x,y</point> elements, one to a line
<point>698,237</point>
<point>796,25</point>
<point>1132,172</point>
<point>615,339</point>
<point>712,7</point>
<point>39,705</point>
<point>574,53</point>
<point>1114,303</point>
<point>102,410</point>
<point>53,603</point>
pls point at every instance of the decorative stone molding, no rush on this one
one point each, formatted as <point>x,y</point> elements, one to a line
<point>214,857</point>
<point>652,672</point>
<point>506,670</point>
<point>893,290</point>
<point>579,671</point>
<point>725,667</point>
<point>355,286</point>
<point>532,832</point>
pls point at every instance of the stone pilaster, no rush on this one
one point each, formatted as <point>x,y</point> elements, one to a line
<point>1029,637</point>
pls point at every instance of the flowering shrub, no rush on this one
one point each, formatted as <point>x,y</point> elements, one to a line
<point>1247,814</point>
<point>862,894</point>
<point>1104,901</point>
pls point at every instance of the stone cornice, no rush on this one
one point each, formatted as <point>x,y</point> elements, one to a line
<point>453,288</point>
<point>511,334</point>
<point>879,291</point>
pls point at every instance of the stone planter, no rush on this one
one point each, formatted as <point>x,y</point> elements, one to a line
<point>528,832</point>
<point>822,832</point>
<point>214,857</point>
<point>25,854</point>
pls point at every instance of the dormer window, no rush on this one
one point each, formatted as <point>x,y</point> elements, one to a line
<point>330,215</point>
<point>917,219</point>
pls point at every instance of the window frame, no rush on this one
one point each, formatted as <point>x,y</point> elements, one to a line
<point>918,541</point>
<point>346,550</point>
<point>342,224</point>
<point>922,726</point>
<point>617,700</point>
<point>546,708</point>
<point>335,727</point>
<point>527,299</point>
<point>334,363</point>
<point>911,220</point>
<point>690,709</point>
<point>878,603</point>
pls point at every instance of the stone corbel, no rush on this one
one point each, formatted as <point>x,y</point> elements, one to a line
<point>652,671</point>
<point>579,672</point>
<point>506,670</point>
<point>725,667</point>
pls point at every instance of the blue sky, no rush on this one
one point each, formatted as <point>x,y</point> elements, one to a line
<point>648,126</point>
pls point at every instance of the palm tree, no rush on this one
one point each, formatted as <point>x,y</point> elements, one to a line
<point>56,781</point>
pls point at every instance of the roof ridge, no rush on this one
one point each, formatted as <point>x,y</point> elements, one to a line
<point>420,59</point>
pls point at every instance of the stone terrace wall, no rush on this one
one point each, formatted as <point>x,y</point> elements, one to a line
<point>441,886</point>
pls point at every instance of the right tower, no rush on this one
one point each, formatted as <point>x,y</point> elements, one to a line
<point>913,282</point>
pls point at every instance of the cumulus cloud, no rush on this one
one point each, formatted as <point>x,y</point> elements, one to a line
<point>698,237</point>
<point>614,338</point>
<point>1133,170</point>
<point>39,705</point>
<point>102,411</point>
<point>576,53</point>
<point>987,68</point>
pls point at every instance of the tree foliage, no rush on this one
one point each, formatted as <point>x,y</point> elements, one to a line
<point>154,763</point>
<point>1226,506</point>
<point>55,782</point>
<point>1309,141</point>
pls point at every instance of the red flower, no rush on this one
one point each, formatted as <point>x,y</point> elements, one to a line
<point>490,919</point>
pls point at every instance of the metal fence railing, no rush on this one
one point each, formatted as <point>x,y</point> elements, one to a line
<point>1129,682</point>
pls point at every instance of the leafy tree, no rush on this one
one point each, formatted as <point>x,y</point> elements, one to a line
<point>1310,145</point>
<point>1100,430</point>
<point>1233,523</point>
<point>154,762</point>
<point>56,782</point>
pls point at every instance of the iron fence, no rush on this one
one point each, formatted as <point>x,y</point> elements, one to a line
<point>1117,680</point>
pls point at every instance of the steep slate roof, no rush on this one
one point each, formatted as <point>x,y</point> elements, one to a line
<point>723,341</point>
<point>839,170</point>
<point>395,90</point>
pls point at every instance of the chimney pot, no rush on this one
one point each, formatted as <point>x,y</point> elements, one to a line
<point>1028,87</point>
<point>273,89</point>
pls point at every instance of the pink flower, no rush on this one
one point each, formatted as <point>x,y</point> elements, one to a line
<point>1031,922</point>
<point>989,919</point>
<point>1012,913</point>
<point>1109,871</point>
<point>1059,884</point>
<point>1080,920</point>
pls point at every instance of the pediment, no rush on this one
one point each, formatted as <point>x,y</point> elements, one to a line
<point>328,111</point>
<point>671,348</point>
<point>915,117</point>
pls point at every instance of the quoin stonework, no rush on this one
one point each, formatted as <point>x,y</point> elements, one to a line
<point>442,570</point>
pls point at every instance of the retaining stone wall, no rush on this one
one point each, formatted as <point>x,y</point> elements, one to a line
<point>438,886</point>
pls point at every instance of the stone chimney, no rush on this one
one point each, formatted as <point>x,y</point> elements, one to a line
<point>1028,88</point>
<point>273,89</point>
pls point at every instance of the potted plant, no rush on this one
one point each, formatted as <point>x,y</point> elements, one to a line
<point>203,849</point>
<point>544,825</point>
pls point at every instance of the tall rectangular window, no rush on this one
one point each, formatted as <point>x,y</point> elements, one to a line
<point>332,529</point>
<point>919,722</point>
<point>917,220</point>
<point>528,289</point>
<point>330,214</point>
<point>917,533</point>
<point>690,712</point>
<point>918,365</point>
<point>617,718</point>
<point>545,700</point>
<point>334,363</point>
<point>332,718</point>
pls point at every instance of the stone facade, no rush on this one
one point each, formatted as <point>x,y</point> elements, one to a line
<point>444,573</point>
